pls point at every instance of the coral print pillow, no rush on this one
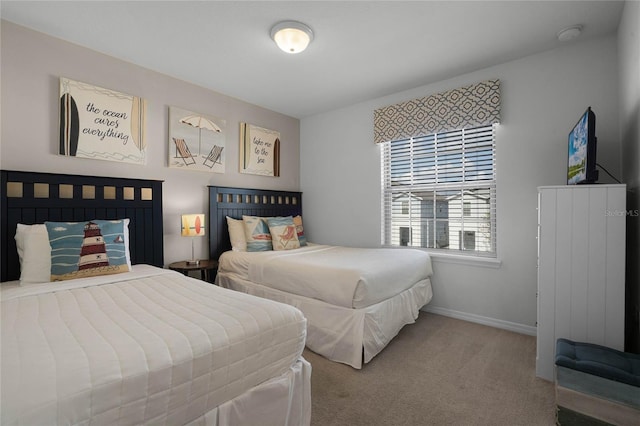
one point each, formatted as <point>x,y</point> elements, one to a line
<point>87,249</point>
<point>283,233</point>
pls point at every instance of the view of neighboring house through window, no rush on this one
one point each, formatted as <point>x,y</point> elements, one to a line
<point>439,191</point>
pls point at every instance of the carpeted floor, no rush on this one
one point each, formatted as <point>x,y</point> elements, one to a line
<point>438,371</point>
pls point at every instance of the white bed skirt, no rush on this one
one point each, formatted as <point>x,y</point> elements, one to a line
<point>283,400</point>
<point>342,334</point>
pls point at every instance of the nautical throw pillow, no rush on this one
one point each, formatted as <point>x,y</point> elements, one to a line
<point>87,249</point>
<point>297,220</point>
<point>283,233</point>
<point>256,232</point>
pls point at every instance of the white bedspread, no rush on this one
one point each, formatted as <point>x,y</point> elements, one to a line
<point>152,346</point>
<point>342,276</point>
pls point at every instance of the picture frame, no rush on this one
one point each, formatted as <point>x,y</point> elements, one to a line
<point>196,141</point>
<point>100,123</point>
<point>259,150</point>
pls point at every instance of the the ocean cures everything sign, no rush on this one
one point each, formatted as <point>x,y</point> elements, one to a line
<point>100,123</point>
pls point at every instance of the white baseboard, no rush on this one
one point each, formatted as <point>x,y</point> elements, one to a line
<point>492,322</point>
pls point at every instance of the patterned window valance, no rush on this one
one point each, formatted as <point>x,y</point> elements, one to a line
<point>471,106</point>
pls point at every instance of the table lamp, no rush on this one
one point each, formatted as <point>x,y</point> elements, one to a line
<point>193,226</point>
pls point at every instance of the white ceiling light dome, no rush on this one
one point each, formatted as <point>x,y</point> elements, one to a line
<point>570,33</point>
<point>292,36</point>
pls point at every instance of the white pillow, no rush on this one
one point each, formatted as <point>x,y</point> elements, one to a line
<point>34,253</point>
<point>236,234</point>
<point>126,241</point>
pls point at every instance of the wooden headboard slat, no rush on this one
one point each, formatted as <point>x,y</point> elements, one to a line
<point>235,202</point>
<point>32,206</point>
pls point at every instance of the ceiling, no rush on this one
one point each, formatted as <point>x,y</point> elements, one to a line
<point>362,49</point>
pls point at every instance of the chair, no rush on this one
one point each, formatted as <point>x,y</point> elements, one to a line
<point>214,156</point>
<point>596,385</point>
<point>183,150</point>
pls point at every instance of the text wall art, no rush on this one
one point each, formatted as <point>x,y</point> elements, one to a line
<point>101,124</point>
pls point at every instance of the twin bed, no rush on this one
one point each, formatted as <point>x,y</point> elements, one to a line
<point>355,300</point>
<point>145,346</point>
<point>153,346</point>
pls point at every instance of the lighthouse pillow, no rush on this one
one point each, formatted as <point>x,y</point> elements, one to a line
<point>87,249</point>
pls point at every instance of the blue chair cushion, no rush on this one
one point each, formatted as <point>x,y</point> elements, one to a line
<point>599,360</point>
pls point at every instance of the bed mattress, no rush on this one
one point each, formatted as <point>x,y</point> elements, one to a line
<point>149,346</point>
<point>341,276</point>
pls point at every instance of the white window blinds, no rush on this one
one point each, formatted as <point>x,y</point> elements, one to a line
<point>438,191</point>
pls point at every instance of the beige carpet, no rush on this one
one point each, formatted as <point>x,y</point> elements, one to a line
<point>438,371</point>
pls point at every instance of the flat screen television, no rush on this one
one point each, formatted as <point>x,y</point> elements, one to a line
<point>581,167</point>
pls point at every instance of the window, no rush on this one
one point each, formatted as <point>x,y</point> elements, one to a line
<point>468,240</point>
<point>467,209</point>
<point>405,235</point>
<point>439,191</point>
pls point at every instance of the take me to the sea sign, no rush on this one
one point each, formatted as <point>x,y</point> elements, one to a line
<point>262,149</point>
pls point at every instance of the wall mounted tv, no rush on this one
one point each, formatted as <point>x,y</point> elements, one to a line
<point>582,151</point>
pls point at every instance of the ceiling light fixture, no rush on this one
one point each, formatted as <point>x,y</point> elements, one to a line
<point>569,33</point>
<point>291,36</point>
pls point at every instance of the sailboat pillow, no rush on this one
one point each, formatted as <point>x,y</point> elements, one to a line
<point>87,249</point>
<point>256,232</point>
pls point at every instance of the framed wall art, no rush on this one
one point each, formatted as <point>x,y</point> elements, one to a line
<point>259,150</point>
<point>196,141</point>
<point>101,124</point>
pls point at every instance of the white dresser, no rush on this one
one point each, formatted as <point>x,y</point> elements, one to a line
<point>581,268</point>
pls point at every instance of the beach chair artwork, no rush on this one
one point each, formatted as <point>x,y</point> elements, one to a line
<point>197,140</point>
<point>182,151</point>
<point>215,156</point>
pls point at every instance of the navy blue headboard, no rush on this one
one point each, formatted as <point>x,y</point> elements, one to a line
<point>32,197</point>
<point>235,202</point>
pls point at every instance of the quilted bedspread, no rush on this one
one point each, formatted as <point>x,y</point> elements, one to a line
<point>342,276</point>
<point>150,346</point>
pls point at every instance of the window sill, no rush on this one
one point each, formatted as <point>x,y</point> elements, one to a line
<point>440,257</point>
<point>484,262</point>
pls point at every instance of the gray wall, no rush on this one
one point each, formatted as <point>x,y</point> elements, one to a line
<point>542,98</point>
<point>32,64</point>
<point>629,66</point>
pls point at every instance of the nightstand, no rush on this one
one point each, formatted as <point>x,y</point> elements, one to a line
<point>204,266</point>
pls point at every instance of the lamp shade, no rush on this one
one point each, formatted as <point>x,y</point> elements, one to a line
<point>292,36</point>
<point>193,225</point>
